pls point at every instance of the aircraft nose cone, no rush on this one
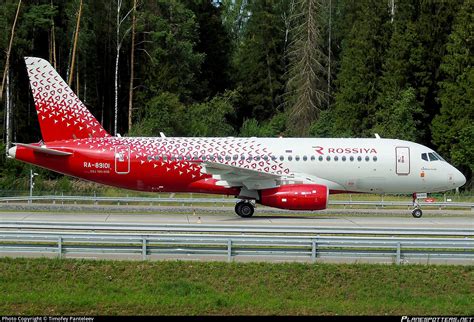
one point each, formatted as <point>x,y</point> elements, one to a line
<point>12,152</point>
<point>460,179</point>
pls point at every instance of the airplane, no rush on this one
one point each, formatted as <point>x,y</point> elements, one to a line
<point>286,173</point>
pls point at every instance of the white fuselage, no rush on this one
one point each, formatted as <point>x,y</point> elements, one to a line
<point>364,165</point>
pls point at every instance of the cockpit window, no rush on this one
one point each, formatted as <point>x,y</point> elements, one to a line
<point>439,157</point>
<point>432,156</point>
<point>424,156</point>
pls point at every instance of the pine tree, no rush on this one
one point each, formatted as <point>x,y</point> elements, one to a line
<point>306,93</point>
<point>259,61</point>
<point>453,128</point>
<point>419,33</point>
<point>362,56</point>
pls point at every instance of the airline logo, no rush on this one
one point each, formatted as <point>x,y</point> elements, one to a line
<point>321,150</point>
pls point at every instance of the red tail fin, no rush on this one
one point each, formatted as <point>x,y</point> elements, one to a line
<point>61,115</point>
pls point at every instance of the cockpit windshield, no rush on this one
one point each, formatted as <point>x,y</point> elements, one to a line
<point>439,157</point>
<point>431,156</point>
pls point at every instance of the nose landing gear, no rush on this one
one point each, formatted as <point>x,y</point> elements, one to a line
<point>417,213</point>
<point>244,209</point>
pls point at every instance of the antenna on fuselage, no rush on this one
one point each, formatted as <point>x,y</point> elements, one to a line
<point>377,136</point>
<point>162,135</point>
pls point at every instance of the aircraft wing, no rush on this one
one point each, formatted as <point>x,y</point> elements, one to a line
<point>233,176</point>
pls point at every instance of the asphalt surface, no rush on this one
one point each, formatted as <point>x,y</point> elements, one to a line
<point>226,215</point>
<point>343,218</point>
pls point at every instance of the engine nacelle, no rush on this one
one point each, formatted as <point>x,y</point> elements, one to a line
<point>296,197</point>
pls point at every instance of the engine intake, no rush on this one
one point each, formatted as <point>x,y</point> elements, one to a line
<point>296,197</point>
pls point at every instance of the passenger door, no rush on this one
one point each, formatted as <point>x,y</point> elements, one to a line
<point>122,159</point>
<point>402,156</point>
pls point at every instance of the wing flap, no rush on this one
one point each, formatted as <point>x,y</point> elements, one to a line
<point>232,176</point>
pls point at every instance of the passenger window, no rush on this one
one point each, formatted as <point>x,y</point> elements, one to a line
<point>188,157</point>
<point>180,158</point>
<point>343,158</point>
<point>367,158</point>
<point>351,158</point>
<point>290,158</point>
<point>297,158</point>
<point>328,158</point>
<point>336,158</point>
<point>375,159</point>
<point>282,158</point>
<point>432,157</point>
<point>235,157</point>
<point>424,156</point>
<point>305,158</point>
<point>227,157</point>
<point>273,157</point>
<point>173,158</point>
<point>313,158</point>
<point>359,158</point>
<point>320,158</point>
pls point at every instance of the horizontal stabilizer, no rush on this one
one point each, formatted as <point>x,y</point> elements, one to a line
<point>43,149</point>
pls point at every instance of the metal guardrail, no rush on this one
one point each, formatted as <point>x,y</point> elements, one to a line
<point>154,200</point>
<point>235,229</point>
<point>398,249</point>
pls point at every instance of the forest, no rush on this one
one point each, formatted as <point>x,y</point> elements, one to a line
<point>295,68</point>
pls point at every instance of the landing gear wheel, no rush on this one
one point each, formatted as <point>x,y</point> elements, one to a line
<point>417,213</point>
<point>244,209</point>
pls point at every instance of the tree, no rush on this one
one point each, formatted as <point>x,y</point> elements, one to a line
<point>167,53</point>
<point>362,56</point>
<point>452,128</point>
<point>210,118</point>
<point>418,41</point>
<point>132,66</point>
<point>306,93</point>
<point>398,119</point>
<point>7,59</point>
<point>215,43</point>
<point>259,61</point>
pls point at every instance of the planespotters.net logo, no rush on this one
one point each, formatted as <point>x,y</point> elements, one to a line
<point>437,319</point>
<point>322,150</point>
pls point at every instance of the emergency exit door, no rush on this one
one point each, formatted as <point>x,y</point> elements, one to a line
<point>122,159</point>
<point>402,155</point>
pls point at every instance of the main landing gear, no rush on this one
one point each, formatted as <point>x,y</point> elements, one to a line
<point>417,213</point>
<point>244,209</point>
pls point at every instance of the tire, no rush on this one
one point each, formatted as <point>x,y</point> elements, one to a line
<point>237,207</point>
<point>244,209</point>
<point>417,213</point>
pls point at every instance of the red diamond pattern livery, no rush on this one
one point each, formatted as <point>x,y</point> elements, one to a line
<point>61,114</point>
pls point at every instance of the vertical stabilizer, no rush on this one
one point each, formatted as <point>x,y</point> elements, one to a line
<point>61,115</point>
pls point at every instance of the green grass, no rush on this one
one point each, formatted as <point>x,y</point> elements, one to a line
<point>81,287</point>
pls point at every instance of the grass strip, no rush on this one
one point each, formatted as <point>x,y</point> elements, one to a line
<point>91,287</point>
